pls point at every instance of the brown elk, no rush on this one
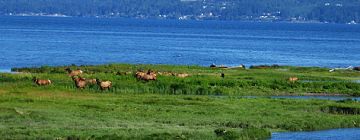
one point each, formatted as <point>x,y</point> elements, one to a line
<point>182,75</point>
<point>140,74</point>
<point>79,82</point>
<point>104,84</point>
<point>91,81</point>
<point>73,73</point>
<point>293,79</point>
<point>150,75</point>
<point>124,73</point>
<point>41,82</point>
<point>166,73</point>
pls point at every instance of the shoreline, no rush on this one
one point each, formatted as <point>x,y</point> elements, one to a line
<point>317,134</point>
<point>226,66</point>
<point>198,20</point>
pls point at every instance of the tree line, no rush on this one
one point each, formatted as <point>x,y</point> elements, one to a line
<point>338,11</point>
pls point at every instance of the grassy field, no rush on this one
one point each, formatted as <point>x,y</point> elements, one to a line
<point>203,80</point>
<point>172,107</point>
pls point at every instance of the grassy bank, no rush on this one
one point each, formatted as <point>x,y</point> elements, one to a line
<point>65,115</point>
<point>173,107</point>
<point>203,80</point>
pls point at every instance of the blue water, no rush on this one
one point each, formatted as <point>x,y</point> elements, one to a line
<point>35,41</point>
<point>333,98</point>
<point>5,70</point>
<point>334,134</point>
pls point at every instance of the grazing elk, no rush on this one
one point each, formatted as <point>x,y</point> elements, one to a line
<point>166,73</point>
<point>104,84</point>
<point>41,82</point>
<point>79,82</point>
<point>73,73</point>
<point>91,81</point>
<point>293,79</point>
<point>150,75</point>
<point>123,73</point>
<point>140,74</point>
<point>182,75</point>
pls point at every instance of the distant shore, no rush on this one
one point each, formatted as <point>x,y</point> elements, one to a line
<point>255,21</point>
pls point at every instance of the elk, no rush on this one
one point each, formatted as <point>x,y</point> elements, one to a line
<point>166,73</point>
<point>293,79</point>
<point>79,82</point>
<point>140,74</point>
<point>73,73</point>
<point>150,75</point>
<point>104,84</point>
<point>91,81</point>
<point>41,82</point>
<point>182,75</point>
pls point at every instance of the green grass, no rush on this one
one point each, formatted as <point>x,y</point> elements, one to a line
<point>171,107</point>
<point>203,80</point>
<point>54,114</point>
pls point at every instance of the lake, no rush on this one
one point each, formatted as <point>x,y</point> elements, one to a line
<point>36,41</point>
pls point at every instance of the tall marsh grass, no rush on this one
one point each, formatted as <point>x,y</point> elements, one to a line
<point>263,80</point>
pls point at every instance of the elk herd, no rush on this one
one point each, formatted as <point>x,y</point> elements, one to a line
<point>81,82</point>
<point>150,75</point>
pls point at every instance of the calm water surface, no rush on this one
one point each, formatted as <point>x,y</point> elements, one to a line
<point>35,41</point>
<point>335,98</point>
<point>334,134</point>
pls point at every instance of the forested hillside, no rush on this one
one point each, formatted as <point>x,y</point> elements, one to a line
<point>337,11</point>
